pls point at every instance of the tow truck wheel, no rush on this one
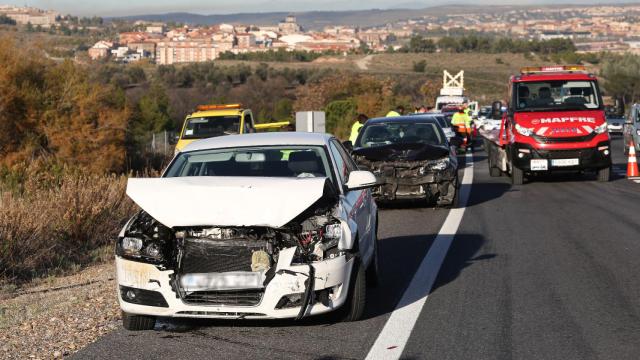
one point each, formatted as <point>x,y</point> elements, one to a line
<point>138,322</point>
<point>604,174</point>
<point>517,176</point>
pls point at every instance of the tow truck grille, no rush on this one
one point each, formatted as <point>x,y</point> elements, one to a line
<point>563,140</point>
<point>230,298</point>
<point>566,154</point>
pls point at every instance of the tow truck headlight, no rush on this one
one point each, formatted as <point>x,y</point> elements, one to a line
<point>601,128</point>
<point>523,130</point>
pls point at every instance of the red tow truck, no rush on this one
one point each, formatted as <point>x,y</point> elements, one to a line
<point>554,122</point>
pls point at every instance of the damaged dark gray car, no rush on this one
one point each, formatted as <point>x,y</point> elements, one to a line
<point>411,159</point>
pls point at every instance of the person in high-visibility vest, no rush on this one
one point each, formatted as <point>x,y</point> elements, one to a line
<point>462,122</point>
<point>399,111</point>
<point>355,128</point>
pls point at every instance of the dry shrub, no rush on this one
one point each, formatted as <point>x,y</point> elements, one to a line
<point>60,226</point>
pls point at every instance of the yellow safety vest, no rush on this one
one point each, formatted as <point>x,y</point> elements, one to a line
<point>392,113</point>
<point>461,119</point>
<point>355,129</point>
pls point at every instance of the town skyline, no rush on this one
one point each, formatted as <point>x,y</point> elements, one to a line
<point>118,8</point>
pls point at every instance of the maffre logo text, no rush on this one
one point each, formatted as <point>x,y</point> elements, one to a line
<point>588,120</point>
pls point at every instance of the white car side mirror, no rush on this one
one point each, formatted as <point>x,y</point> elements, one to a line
<point>359,180</point>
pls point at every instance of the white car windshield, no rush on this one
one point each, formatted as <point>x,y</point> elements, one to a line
<point>268,161</point>
<point>380,134</point>
<point>556,95</point>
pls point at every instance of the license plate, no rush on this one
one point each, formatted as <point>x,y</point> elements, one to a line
<point>565,162</point>
<point>221,281</point>
<point>539,165</point>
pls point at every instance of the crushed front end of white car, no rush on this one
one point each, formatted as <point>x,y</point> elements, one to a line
<point>251,248</point>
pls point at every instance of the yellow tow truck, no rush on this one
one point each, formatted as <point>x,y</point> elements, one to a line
<point>219,120</point>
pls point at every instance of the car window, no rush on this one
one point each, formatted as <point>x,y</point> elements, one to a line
<point>265,161</point>
<point>380,134</point>
<point>248,123</point>
<point>351,164</point>
<point>341,164</point>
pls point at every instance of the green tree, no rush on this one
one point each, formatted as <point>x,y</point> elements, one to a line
<point>420,66</point>
<point>262,71</point>
<point>5,20</point>
<point>419,44</point>
<point>340,115</point>
<point>622,75</point>
<point>283,110</point>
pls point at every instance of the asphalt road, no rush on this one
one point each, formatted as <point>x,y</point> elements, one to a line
<point>547,270</point>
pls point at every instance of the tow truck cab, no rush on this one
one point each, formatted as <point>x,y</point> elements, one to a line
<point>555,122</point>
<point>215,120</point>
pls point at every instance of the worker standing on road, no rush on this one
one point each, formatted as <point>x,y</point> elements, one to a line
<point>355,129</point>
<point>462,123</point>
<point>399,111</point>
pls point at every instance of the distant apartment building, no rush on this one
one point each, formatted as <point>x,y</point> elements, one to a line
<point>372,39</point>
<point>246,41</point>
<point>173,52</point>
<point>29,15</point>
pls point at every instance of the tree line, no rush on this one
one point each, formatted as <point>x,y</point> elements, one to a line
<point>483,44</point>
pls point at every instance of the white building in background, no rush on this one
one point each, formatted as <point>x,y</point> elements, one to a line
<point>29,15</point>
<point>173,52</point>
<point>100,50</point>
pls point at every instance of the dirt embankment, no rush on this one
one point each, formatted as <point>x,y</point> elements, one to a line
<point>56,317</point>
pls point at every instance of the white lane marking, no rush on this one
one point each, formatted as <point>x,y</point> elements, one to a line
<point>397,330</point>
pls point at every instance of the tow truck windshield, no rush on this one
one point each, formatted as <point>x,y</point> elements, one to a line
<point>556,95</point>
<point>393,133</point>
<point>211,126</point>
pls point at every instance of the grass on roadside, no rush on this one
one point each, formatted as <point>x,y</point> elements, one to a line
<point>53,226</point>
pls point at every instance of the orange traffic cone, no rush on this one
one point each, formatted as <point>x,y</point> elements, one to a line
<point>632,165</point>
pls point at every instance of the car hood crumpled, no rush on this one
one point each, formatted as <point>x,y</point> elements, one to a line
<point>225,201</point>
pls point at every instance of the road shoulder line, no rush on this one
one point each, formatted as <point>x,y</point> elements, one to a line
<point>396,332</point>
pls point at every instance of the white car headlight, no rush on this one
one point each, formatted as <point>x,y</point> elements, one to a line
<point>601,128</point>
<point>523,130</point>
<point>131,245</point>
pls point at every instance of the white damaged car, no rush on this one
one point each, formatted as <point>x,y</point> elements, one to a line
<point>256,226</point>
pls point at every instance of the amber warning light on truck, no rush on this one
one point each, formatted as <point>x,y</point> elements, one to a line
<point>555,68</point>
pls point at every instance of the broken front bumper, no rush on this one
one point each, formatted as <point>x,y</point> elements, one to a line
<point>409,184</point>
<point>331,275</point>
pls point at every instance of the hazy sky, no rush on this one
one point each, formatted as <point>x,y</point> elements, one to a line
<point>136,7</point>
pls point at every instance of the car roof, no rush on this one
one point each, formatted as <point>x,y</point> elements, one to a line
<point>405,118</point>
<point>260,139</point>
